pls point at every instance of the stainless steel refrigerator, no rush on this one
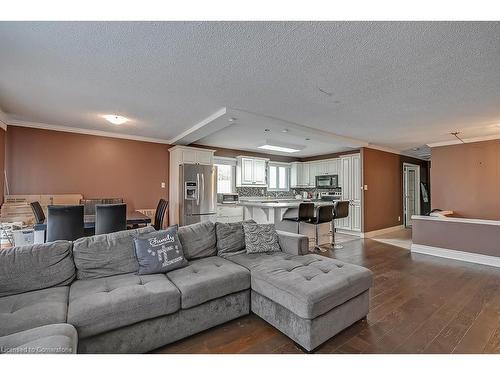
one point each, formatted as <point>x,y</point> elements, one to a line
<point>198,190</point>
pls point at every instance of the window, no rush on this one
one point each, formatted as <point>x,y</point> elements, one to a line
<point>226,176</point>
<point>279,177</point>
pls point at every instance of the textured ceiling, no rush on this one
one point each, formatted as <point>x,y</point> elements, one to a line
<point>395,84</point>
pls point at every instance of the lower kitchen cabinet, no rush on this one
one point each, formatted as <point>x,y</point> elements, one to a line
<point>229,213</point>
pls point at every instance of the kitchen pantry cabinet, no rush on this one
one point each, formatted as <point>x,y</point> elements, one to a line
<point>350,180</point>
<point>251,171</point>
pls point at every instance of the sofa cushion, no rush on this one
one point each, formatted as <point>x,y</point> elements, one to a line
<point>230,237</point>
<point>208,278</point>
<point>198,240</point>
<point>23,311</point>
<point>107,254</point>
<point>308,285</point>
<point>100,305</point>
<point>159,251</point>
<point>33,267</point>
<point>50,339</point>
<point>261,238</point>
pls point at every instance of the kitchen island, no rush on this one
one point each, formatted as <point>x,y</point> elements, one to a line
<point>271,211</point>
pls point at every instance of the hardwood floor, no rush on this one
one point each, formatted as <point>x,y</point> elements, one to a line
<point>418,304</point>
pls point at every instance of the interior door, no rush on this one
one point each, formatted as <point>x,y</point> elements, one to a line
<point>411,192</point>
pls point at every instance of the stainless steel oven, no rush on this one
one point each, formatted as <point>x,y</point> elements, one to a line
<point>330,181</point>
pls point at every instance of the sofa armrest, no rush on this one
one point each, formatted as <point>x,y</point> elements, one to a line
<point>293,243</point>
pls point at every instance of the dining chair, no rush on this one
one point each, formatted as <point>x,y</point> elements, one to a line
<point>110,218</point>
<point>64,223</point>
<point>38,212</point>
<point>160,214</point>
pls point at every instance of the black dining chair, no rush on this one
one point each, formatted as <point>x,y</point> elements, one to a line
<point>38,212</point>
<point>160,214</point>
<point>340,211</point>
<point>110,218</point>
<point>64,223</point>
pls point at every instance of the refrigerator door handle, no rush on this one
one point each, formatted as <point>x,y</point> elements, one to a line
<point>198,189</point>
<point>203,186</point>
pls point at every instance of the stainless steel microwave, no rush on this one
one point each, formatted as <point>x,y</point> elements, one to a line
<point>330,181</point>
<point>227,198</point>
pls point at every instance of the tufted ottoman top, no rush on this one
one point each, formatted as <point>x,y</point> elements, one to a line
<point>308,285</point>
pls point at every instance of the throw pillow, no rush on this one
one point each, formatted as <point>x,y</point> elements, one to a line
<point>230,237</point>
<point>261,238</point>
<point>159,251</point>
<point>198,240</point>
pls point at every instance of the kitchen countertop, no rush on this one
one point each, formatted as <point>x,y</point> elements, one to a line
<point>280,204</point>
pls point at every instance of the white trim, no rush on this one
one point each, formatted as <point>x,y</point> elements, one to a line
<point>349,232</point>
<point>379,232</point>
<point>456,220</point>
<point>100,133</point>
<point>456,254</point>
<point>3,120</point>
<point>177,147</point>
<point>405,224</point>
<point>224,160</point>
<point>466,140</point>
<point>179,138</point>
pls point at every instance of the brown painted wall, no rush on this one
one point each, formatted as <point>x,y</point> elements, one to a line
<point>2,163</point>
<point>383,201</point>
<point>51,162</point>
<point>466,179</point>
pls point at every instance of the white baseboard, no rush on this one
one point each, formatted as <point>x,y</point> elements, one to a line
<point>456,254</point>
<point>381,231</point>
<point>349,232</point>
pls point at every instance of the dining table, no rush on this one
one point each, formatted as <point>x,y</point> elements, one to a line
<point>133,218</point>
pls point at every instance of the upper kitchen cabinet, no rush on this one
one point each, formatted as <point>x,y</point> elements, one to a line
<point>251,171</point>
<point>303,175</point>
<point>191,155</point>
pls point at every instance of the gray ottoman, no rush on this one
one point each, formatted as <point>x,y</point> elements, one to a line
<point>310,298</point>
<point>50,339</point>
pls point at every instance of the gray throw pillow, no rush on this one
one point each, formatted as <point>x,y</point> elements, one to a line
<point>159,251</point>
<point>261,238</point>
<point>198,240</point>
<point>230,237</point>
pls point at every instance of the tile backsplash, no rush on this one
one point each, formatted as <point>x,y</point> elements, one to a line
<point>263,192</point>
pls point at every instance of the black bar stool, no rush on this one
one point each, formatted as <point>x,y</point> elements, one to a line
<point>324,215</point>
<point>340,211</point>
<point>305,213</point>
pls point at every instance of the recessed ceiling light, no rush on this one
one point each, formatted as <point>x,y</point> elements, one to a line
<point>267,130</point>
<point>280,146</point>
<point>284,131</point>
<point>308,139</point>
<point>116,119</point>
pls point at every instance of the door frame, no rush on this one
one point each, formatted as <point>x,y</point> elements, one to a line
<point>417,182</point>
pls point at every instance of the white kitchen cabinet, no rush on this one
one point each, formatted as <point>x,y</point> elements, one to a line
<point>332,166</point>
<point>306,167</point>
<point>313,172</point>
<point>251,171</point>
<point>350,181</point>
<point>260,171</point>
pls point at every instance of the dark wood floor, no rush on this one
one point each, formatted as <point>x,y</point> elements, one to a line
<point>418,304</point>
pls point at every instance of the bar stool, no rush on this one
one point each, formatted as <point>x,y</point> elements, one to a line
<point>340,211</point>
<point>324,215</point>
<point>294,216</point>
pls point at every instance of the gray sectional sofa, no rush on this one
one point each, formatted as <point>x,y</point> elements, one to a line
<point>85,296</point>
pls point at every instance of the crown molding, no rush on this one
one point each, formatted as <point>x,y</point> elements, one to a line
<point>466,140</point>
<point>67,129</point>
